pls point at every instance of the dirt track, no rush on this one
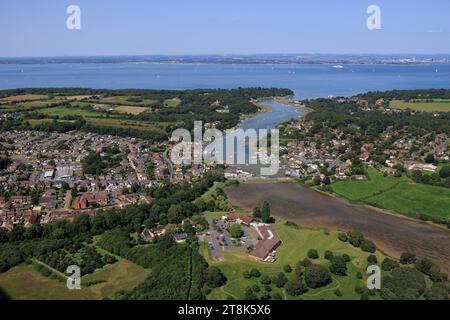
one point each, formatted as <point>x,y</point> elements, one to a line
<point>392,233</point>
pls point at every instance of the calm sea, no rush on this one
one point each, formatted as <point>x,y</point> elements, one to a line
<point>307,81</point>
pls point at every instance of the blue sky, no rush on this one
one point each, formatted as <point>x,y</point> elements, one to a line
<point>38,28</point>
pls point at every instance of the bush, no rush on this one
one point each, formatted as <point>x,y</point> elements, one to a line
<point>343,237</point>
<point>295,287</point>
<point>355,238</point>
<point>255,273</point>
<point>280,280</point>
<point>359,275</point>
<point>266,280</point>
<point>256,288</point>
<point>338,293</point>
<point>328,255</point>
<point>389,264</point>
<point>372,259</point>
<point>287,268</point>
<point>247,274</point>
<point>317,276</point>
<point>268,288</point>
<point>408,258</point>
<point>313,254</point>
<point>368,246</point>
<point>277,296</point>
<point>346,257</point>
<point>338,266</point>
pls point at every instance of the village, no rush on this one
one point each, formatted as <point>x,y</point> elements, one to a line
<point>47,176</point>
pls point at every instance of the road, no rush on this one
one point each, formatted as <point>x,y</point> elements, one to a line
<point>216,249</point>
<point>169,163</point>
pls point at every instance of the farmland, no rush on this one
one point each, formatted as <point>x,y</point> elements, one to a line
<point>437,105</point>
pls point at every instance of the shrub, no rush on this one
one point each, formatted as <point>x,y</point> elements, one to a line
<point>280,280</point>
<point>287,268</point>
<point>408,258</point>
<point>389,264</point>
<point>266,280</point>
<point>355,238</point>
<point>338,266</point>
<point>343,237</point>
<point>368,246</point>
<point>255,273</point>
<point>328,255</point>
<point>295,287</point>
<point>372,259</point>
<point>313,254</point>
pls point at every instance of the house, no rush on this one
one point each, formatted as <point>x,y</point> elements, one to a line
<point>30,219</point>
<point>240,218</point>
<point>180,237</point>
<point>79,203</point>
<point>147,235</point>
<point>423,167</point>
<point>265,248</point>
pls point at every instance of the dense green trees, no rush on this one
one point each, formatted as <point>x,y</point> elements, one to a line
<point>317,276</point>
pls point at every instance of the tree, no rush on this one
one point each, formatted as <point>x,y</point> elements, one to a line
<point>403,284</point>
<point>430,158</point>
<point>265,212</point>
<point>175,213</point>
<point>368,246</point>
<point>355,238</point>
<point>372,259</point>
<point>255,273</point>
<point>389,264</point>
<point>287,268</point>
<point>257,213</point>
<point>295,287</point>
<point>338,266</point>
<point>343,237</point>
<point>328,255</point>
<point>266,280</point>
<point>313,254</point>
<point>280,280</point>
<point>235,231</point>
<point>317,276</point>
<point>408,258</point>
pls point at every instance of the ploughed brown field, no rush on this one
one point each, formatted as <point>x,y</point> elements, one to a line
<point>392,234</point>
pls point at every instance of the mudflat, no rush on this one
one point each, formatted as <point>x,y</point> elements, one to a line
<point>393,234</point>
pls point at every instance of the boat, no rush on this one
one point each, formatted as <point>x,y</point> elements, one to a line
<point>338,66</point>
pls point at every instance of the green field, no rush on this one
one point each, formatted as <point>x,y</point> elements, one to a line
<point>172,102</point>
<point>296,243</point>
<point>396,194</point>
<point>358,190</point>
<point>64,111</point>
<point>438,105</point>
<point>143,126</point>
<point>125,100</point>
<point>415,199</point>
<point>24,283</point>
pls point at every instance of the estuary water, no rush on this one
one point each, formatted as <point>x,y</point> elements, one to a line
<point>307,81</point>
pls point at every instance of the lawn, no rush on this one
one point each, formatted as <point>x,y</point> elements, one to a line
<point>358,190</point>
<point>415,199</point>
<point>296,243</point>
<point>438,105</point>
<point>24,283</point>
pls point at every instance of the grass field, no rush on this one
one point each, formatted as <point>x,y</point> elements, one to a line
<point>358,190</point>
<point>172,102</point>
<point>396,194</point>
<point>415,199</point>
<point>25,97</point>
<point>438,105</point>
<point>296,243</point>
<point>125,100</point>
<point>24,283</point>
<point>144,126</point>
<point>64,111</point>
<point>130,109</point>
